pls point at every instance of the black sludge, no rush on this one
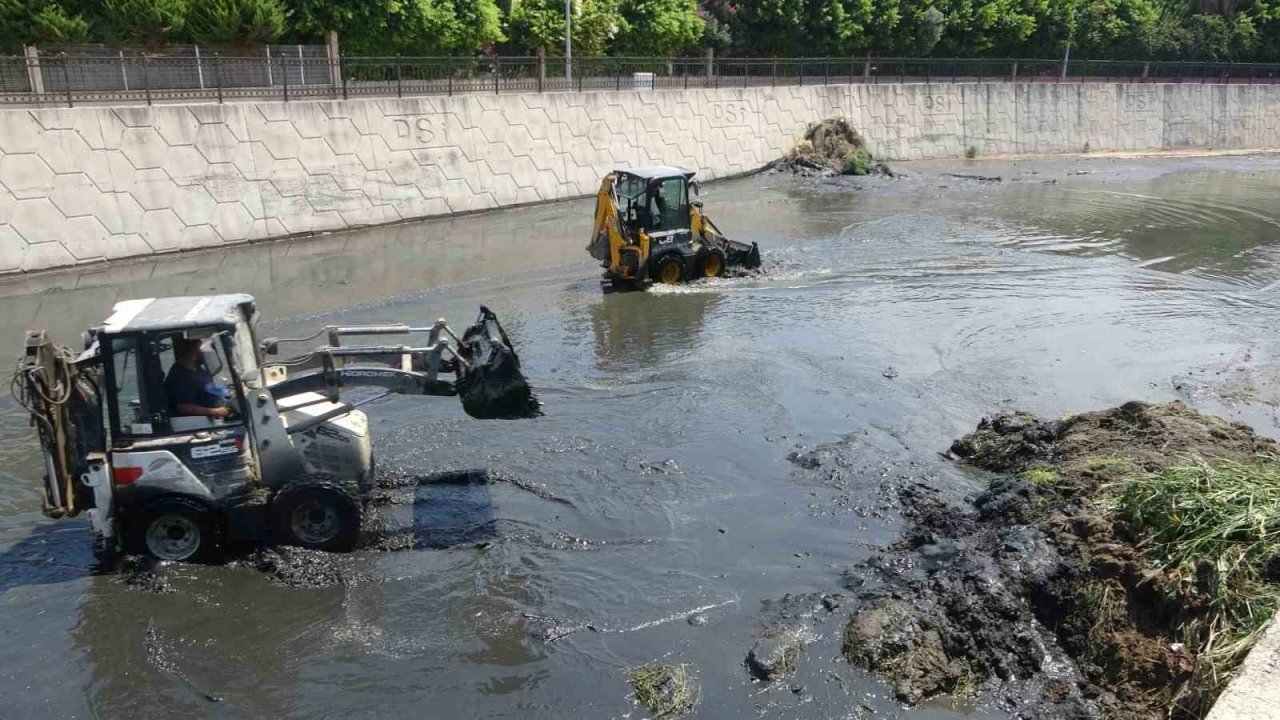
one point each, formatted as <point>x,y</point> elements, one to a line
<point>493,388</point>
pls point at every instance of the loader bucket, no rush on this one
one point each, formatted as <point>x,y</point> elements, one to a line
<point>493,388</point>
<point>742,255</point>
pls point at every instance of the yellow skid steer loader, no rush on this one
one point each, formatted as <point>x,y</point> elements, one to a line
<point>647,230</point>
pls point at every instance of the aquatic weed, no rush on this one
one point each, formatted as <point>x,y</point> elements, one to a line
<point>1040,476</point>
<point>666,690</point>
<point>1213,528</point>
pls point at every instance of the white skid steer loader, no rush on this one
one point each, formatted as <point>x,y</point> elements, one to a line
<point>287,460</point>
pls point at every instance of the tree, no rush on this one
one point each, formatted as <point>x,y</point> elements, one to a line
<point>148,23</point>
<point>476,24</point>
<point>39,22</point>
<point>236,22</point>
<point>538,24</point>
<point>401,27</point>
<point>659,27</point>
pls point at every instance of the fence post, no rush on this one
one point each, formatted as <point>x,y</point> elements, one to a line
<point>342,73</point>
<point>542,66</point>
<point>34,76</point>
<point>335,59</point>
<point>710,60</point>
<point>271,81</point>
<point>399,79</point>
<point>66,79</point>
<point>1015,72</point>
<point>773,74</point>
<point>199,67</point>
<point>302,67</point>
<point>826,73</point>
<point>497,74</point>
<point>217,74</point>
<point>124,71</point>
<point>284,72</point>
<point>146,76</point>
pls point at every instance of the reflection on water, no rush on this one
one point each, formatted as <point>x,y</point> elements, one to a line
<point>893,314</point>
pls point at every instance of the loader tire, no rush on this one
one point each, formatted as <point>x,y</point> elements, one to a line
<point>669,270</point>
<point>711,264</point>
<point>316,513</point>
<point>175,528</point>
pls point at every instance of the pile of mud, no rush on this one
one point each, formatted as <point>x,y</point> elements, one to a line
<point>1034,594</point>
<point>831,147</point>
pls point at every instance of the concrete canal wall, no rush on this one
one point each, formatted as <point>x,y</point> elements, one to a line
<point>93,183</point>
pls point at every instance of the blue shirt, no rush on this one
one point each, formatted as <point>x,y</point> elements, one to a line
<point>192,387</point>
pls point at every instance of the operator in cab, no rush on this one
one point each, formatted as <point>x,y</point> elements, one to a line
<point>191,390</point>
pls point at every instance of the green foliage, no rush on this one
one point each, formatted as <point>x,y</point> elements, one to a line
<point>1214,531</point>
<point>143,23</point>
<point>401,27</point>
<point>236,22</point>
<point>540,23</point>
<point>659,27</point>
<point>43,22</point>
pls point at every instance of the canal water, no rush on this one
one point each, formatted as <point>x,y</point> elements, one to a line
<point>668,523</point>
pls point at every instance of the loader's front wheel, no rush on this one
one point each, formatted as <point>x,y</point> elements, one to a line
<point>175,529</point>
<point>711,264</point>
<point>669,270</point>
<point>318,514</point>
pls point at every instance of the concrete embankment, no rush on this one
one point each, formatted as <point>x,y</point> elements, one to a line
<point>96,183</point>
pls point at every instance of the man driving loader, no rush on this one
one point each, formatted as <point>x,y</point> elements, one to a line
<point>192,391</point>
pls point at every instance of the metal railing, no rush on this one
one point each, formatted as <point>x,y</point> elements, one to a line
<point>71,80</point>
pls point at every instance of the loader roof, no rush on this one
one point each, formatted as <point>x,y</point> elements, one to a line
<point>658,171</point>
<point>177,313</point>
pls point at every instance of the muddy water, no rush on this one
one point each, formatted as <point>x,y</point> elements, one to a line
<point>895,313</point>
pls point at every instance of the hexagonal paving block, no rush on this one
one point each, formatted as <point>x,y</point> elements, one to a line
<point>64,151</point>
<point>176,124</point>
<point>185,165</point>
<point>46,255</point>
<point>87,239</point>
<point>194,205</point>
<point>119,213</point>
<point>144,147</point>
<point>162,230</point>
<point>153,189</point>
<point>12,248</point>
<point>218,143</point>
<point>74,194</point>
<point>232,222</point>
<point>38,221</point>
<point>26,176</point>
<point>19,132</point>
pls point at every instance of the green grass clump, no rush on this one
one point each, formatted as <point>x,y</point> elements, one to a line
<point>666,690</point>
<point>1214,528</point>
<point>1040,476</point>
<point>857,162</point>
<point>972,152</point>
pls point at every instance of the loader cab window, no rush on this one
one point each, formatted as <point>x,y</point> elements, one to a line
<point>669,204</point>
<point>147,400</point>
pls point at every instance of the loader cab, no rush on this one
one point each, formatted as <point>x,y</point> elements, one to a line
<point>138,345</point>
<point>656,201</point>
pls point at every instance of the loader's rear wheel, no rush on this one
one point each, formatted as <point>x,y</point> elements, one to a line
<point>669,270</point>
<point>175,529</point>
<point>711,264</point>
<point>320,515</point>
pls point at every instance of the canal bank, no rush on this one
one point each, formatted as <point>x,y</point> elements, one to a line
<point>84,185</point>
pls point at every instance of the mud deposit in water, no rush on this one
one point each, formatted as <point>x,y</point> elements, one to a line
<point>1032,592</point>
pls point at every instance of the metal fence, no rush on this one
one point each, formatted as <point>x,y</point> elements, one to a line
<point>296,72</point>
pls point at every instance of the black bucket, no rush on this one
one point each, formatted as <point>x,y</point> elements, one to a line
<point>493,387</point>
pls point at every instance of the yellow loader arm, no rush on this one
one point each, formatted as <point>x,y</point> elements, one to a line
<point>609,242</point>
